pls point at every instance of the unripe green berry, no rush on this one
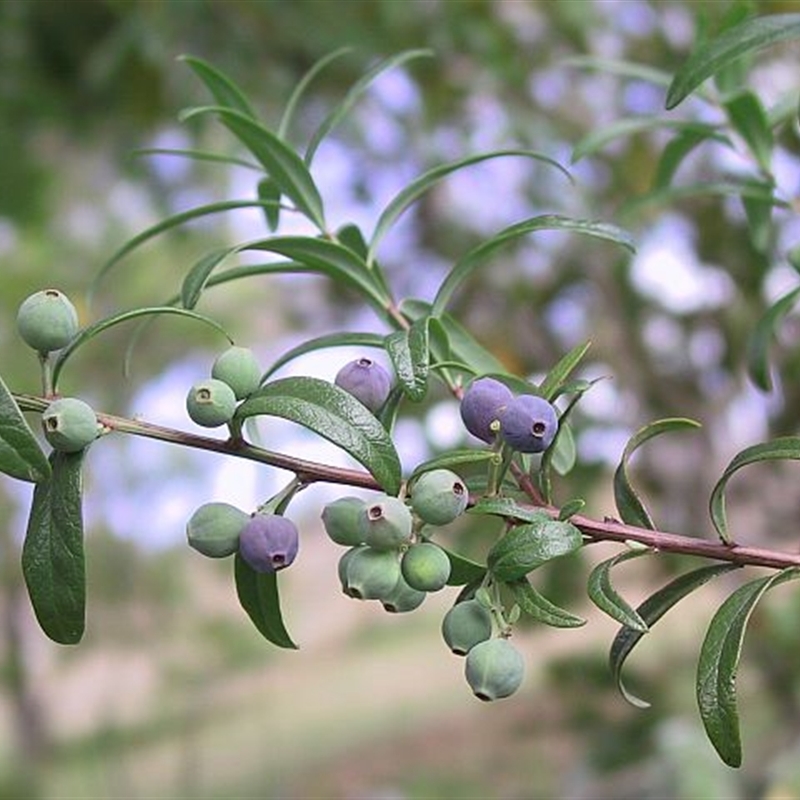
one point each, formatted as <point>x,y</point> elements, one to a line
<point>47,320</point>
<point>341,520</point>
<point>238,367</point>
<point>344,560</point>
<point>494,669</point>
<point>69,424</point>
<point>426,567</point>
<point>371,574</point>
<point>211,403</point>
<point>386,523</point>
<point>403,598</point>
<point>466,624</point>
<point>214,529</point>
<point>439,496</point>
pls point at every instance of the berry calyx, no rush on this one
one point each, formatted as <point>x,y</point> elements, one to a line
<point>211,403</point>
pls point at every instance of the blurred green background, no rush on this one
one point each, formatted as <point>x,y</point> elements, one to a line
<point>173,693</point>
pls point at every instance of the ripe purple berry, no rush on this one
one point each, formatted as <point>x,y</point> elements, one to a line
<point>482,404</point>
<point>269,542</point>
<point>529,424</point>
<point>367,381</point>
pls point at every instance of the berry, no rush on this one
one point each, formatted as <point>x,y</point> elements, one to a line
<point>426,567</point>
<point>47,320</point>
<point>214,529</point>
<point>342,565</point>
<point>268,542</point>
<point>494,669</point>
<point>371,574</point>
<point>385,524</point>
<point>69,424</point>
<point>238,367</point>
<point>367,381</point>
<point>403,598</point>
<point>211,403</point>
<point>466,624</point>
<point>439,496</point>
<point>482,404</point>
<point>529,424</point>
<point>341,520</point>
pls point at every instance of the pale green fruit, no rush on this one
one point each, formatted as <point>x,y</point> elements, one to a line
<point>239,368</point>
<point>465,625</point>
<point>439,496</point>
<point>69,424</point>
<point>214,529</point>
<point>386,523</point>
<point>211,403</point>
<point>494,669</point>
<point>47,320</point>
<point>426,567</point>
<point>371,574</point>
<point>341,519</point>
<point>403,598</point>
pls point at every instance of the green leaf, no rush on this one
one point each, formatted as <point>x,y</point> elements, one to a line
<point>630,507</point>
<point>463,570</point>
<point>563,453</point>
<point>571,507</point>
<point>749,120</point>
<point>409,354</point>
<point>540,608</point>
<point>625,69</point>
<point>759,221</point>
<point>452,459</point>
<point>761,338</point>
<point>222,88</point>
<point>335,415</point>
<point>411,193</point>
<point>650,611</point>
<point>507,507</point>
<point>675,152</point>
<point>197,155</point>
<point>322,343</point>
<point>21,456</point>
<point>787,447</point>
<point>552,222</point>
<point>718,664</point>
<point>354,94</point>
<point>713,55</point>
<point>280,162</point>
<point>558,375</point>
<point>52,555</point>
<point>90,331</point>
<point>258,596</point>
<point>269,192</point>
<point>528,546</point>
<point>607,599</point>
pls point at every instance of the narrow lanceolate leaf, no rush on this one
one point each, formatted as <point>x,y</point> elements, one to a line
<point>674,153</point>
<point>222,88</point>
<point>269,191</point>
<point>758,366</point>
<point>258,596</point>
<point>88,333</point>
<point>629,505</point>
<point>280,162</point>
<point>749,120</point>
<point>718,664</point>
<point>411,193</point>
<point>334,414</point>
<point>52,555</point>
<point>540,608</point>
<point>712,56</point>
<point>409,354</point>
<point>528,546</point>
<point>20,454</point>
<point>650,611</point>
<point>547,222</point>
<point>606,597</point>
<point>558,375</point>
<point>786,447</point>
<point>507,507</point>
<point>197,155</point>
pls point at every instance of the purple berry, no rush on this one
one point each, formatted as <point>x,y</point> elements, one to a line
<point>529,424</point>
<point>482,404</point>
<point>268,542</point>
<point>367,381</point>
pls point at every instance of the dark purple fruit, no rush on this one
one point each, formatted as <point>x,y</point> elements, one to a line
<point>269,542</point>
<point>367,381</point>
<point>481,406</point>
<point>529,424</point>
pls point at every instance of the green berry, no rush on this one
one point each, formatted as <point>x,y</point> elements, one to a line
<point>239,368</point>
<point>341,520</point>
<point>211,403</point>
<point>494,669</point>
<point>344,560</point>
<point>403,598</point>
<point>69,424</point>
<point>214,529</point>
<point>386,523</point>
<point>465,625</point>
<point>425,567</point>
<point>439,496</point>
<point>47,320</point>
<point>371,574</point>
